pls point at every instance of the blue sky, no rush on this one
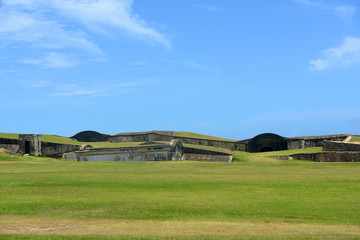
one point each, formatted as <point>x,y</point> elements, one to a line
<point>228,68</point>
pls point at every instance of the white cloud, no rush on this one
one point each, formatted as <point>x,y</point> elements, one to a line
<point>64,24</point>
<point>345,12</point>
<point>53,60</point>
<point>348,53</point>
<point>72,89</point>
<point>112,13</point>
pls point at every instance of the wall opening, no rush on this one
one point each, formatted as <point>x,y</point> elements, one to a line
<point>27,147</point>
<point>267,149</point>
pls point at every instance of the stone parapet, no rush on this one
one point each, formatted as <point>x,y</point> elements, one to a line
<point>341,146</point>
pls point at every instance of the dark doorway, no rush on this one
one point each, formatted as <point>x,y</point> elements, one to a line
<point>267,149</point>
<point>27,147</point>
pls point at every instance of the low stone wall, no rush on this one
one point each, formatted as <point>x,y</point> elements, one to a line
<point>128,138</point>
<point>329,156</point>
<point>126,156</point>
<point>283,157</point>
<point>156,152</point>
<point>11,145</point>
<point>136,154</point>
<point>207,157</point>
<point>195,154</point>
<point>235,146</point>
<point>340,146</point>
<point>313,141</point>
<point>56,150</point>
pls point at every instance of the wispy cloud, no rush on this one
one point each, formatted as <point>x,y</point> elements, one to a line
<point>74,90</point>
<point>348,53</point>
<point>70,25</point>
<point>308,2</point>
<point>62,89</point>
<point>53,60</point>
<point>194,64</point>
<point>345,12</point>
<point>96,13</point>
<point>191,63</point>
<point>209,8</point>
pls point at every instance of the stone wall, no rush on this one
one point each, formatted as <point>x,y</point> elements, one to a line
<point>314,141</point>
<point>156,152</point>
<point>207,157</point>
<point>125,156</point>
<point>56,150</point>
<point>153,136</point>
<point>11,145</point>
<point>329,156</point>
<point>195,154</point>
<point>340,146</point>
<point>129,138</point>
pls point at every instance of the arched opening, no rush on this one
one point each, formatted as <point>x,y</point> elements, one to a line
<point>267,149</point>
<point>266,142</point>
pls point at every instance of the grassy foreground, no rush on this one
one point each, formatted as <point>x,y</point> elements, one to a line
<point>255,198</point>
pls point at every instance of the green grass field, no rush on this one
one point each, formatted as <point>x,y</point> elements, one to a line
<point>355,138</point>
<point>255,197</point>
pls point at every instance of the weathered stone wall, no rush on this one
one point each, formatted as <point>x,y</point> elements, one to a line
<point>128,138</point>
<point>234,146</point>
<point>133,156</point>
<point>238,146</point>
<point>30,144</point>
<point>329,156</point>
<point>314,141</point>
<point>141,153</point>
<point>11,145</point>
<point>156,152</point>
<point>207,157</point>
<point>195,154</point>
<point>56,150</point>
<point>340,146</point>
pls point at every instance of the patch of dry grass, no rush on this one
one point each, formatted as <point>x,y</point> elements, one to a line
<point>172,228</point>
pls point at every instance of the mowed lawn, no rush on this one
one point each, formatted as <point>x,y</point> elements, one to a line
<point>255,198</point>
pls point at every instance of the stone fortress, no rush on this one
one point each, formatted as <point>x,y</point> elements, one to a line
<point>165,145</point>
